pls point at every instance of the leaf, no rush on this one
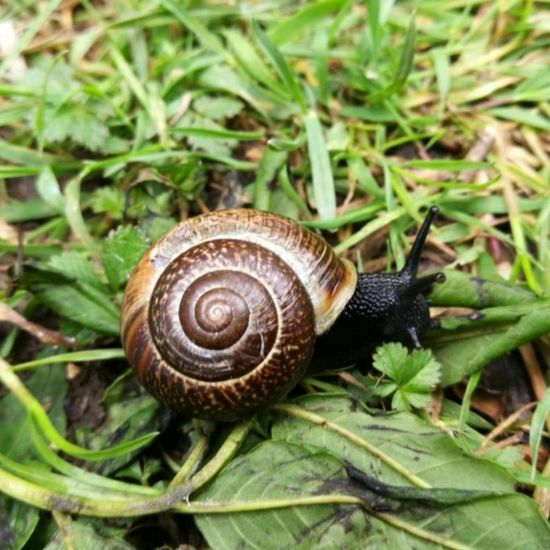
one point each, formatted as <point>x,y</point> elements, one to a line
<point>461,289</point>
<point>108,200</point>
<point>47,187</point>
<point>49,386</point>
<point>538,424</point>
<point>522,116</point>
<point>131,414</point>
<point>464,353</point>
<point>401,448</point>
<point>302,20</point>
<point>74,265</point>
<point>292,472</point>
<point>286,74</point>
<point>217,107</point>
<point>20,522</point>
<point>81,535</point>
<point>321,170</point>
<point>270,164</point>
<point>284,472</point>
<point>76,123</point>
<point>31,209</point>
<point>121,252</point>
<point>82,304</point>
<point>414,375</point>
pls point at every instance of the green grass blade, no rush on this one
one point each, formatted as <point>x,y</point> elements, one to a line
<point>321,170</point>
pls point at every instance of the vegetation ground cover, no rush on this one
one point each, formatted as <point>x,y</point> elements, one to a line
<point>120,118</point>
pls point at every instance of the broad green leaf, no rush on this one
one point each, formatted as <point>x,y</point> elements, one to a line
<point>409,450</point>
<point>398,519</point>
<point>110,200</point>
<point>77,124</point>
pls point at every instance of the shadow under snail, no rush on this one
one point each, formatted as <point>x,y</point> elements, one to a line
<point>223,315</point>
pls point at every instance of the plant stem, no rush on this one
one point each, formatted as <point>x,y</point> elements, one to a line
<point>100,506</point>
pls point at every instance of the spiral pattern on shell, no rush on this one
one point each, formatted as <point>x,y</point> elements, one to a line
<point>218,320</point>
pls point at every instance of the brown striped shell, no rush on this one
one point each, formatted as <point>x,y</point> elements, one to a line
<point>220,316</point>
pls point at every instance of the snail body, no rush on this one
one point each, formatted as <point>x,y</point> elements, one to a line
<point>222,316</point>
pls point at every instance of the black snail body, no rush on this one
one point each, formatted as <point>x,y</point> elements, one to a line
<point>223,315</point>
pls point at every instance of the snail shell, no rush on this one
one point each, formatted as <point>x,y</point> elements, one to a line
<point>220,316</point>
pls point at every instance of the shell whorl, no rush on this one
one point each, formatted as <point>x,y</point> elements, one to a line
<point>220,316</point>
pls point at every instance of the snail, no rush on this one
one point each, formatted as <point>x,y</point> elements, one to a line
<point>222,316</point>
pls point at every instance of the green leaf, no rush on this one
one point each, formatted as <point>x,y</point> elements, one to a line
<point>108,200</point>
<point>523,116</point>
<point>461,289</point>
<point>414,374</point>
<point>131,415</point>
<point>81,304</point>
<point>321,170</point>
<point>21,520</point>
<point>400,448</point>
<point>538,424</point>
<point>302,20</point>
<point>121,252</point>
<point>270,164</point>
<point>285,73</point>
<point>461,352</point>
<point>248,60</point>
<point>77,124</point>
<point>74,265</point>
<point>47,187</point>
<point>285,472</point>
<point>81,535</point>
<point>31,209</point>
<point>208,39</point>
<point>49,385</point>
<point>217,107</point>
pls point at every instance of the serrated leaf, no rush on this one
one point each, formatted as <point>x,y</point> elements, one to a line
<point>77,124</point>
<point>109,200</point>
<point>121,252</point>
<point>414,375</point>
<point>74,265</point>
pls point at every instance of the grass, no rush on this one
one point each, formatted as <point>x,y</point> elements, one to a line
<point>119,119</point>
